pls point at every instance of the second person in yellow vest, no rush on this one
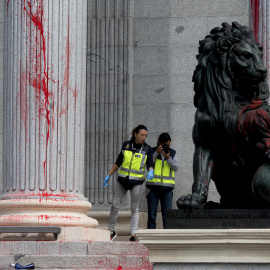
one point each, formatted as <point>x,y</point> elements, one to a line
<point>160,188</point>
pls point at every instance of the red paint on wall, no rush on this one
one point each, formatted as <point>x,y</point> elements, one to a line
<point>255,6</point>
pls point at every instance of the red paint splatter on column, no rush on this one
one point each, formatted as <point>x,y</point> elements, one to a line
<point>35,76</point>
<point>7,3</point>
<point>40,84</point>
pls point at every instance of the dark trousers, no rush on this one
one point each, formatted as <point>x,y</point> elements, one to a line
<point>153,197</point>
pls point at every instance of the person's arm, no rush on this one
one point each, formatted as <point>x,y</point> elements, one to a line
<point>117,164</point>
<point>173,163</point>
<point>120,159</point>
<point>114,168</point>
<point>149,161</point>
<point>155,154</point>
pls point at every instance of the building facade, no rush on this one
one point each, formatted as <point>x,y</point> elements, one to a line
<point>107,66</point>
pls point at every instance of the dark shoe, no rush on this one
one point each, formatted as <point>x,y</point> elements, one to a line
<point>132,238</point>
<point>113,235</point>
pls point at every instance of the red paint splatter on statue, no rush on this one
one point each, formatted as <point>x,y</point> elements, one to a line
<point>254,115</point>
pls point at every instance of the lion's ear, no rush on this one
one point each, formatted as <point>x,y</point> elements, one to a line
<point>223,44</point>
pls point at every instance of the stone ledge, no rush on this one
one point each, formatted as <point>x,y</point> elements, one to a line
<point>207,245</point>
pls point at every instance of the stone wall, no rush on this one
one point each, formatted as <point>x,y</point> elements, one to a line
<point>166,36</point>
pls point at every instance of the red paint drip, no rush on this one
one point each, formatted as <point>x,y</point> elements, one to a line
<point>7,3</point>
<point>40,83</point>
<point>255,7</point>
<point>44,168</point>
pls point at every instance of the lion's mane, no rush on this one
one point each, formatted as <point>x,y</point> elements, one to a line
<point>214,78</point>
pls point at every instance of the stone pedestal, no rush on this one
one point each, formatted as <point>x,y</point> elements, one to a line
<point>233,246</point>
<point>44,114</point>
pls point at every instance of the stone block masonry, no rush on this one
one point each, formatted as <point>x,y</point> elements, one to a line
<point>75,255</point>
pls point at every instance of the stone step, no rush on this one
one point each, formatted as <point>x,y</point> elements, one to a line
<point>75,255</point>
<point>80,261</point>
<point>71,248</point>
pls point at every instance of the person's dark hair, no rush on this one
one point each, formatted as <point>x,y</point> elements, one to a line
<point>136,130</point>
<point>164,137</point>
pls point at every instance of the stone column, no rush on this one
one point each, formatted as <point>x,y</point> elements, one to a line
<point>260,24</point>
<point>109,100</point>
<point>109,95</point>
<point>44,114</point>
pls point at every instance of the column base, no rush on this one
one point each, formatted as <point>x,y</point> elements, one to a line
<point>46,212</point>
<point>83,234</point>
<point>68,234</point>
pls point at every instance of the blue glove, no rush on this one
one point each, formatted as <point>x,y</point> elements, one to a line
<point>150,175</point>
<point>105,182</point>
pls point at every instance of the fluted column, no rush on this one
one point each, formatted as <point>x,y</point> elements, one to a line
<point>109,94</point>
<point>44,113</point>
<point>260,24</point>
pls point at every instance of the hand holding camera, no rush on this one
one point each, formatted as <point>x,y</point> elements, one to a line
<point>165,148</point>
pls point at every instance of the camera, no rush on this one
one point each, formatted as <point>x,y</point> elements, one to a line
<point>165,148</point>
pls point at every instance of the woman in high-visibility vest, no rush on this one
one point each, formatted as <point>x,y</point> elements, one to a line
<point>160,188</point>
<point>135,155</point>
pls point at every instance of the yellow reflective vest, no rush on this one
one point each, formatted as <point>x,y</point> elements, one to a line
<point>133,164</point>
<point>163,174</point>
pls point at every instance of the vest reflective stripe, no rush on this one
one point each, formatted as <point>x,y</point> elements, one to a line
<point>159,184</point>
<point>163,175</point>
<point>131,171</point>
<point>133,165</point>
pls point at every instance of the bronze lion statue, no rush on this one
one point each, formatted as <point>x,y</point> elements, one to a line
<point>232,122</point>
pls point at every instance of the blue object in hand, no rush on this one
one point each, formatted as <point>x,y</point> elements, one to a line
<point>150,175</point>
<point>105,182</point>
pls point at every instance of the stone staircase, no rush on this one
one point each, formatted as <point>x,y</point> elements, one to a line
<point>75,255</point>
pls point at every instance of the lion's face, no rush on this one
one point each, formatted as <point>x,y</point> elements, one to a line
<point>246,66</point>
<point>230,71</point>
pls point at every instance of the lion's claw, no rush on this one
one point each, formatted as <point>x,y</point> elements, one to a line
<point>194,201</point>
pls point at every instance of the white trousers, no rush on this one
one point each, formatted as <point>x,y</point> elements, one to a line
<point>118,193</point>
